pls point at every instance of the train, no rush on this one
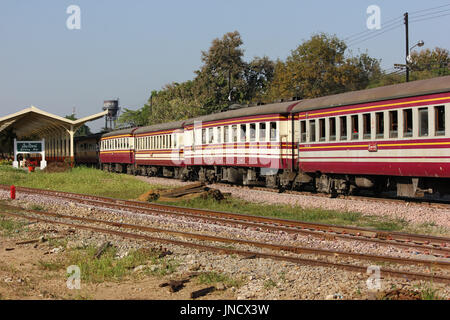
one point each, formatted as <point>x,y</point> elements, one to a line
<point>394,138</point>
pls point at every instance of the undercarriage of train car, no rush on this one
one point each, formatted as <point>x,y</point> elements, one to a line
<point>332,184</point>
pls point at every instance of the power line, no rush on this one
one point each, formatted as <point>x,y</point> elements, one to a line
<point>429,14</point>
<point>429,9</point>
<point>351,44</point>
<point>394,23</point>
<point>429,18</point>
<point>385,24</point>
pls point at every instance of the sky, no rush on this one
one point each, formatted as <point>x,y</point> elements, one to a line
<point>126,49</point>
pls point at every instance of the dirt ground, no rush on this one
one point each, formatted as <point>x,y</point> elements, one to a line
<point>22,277</point>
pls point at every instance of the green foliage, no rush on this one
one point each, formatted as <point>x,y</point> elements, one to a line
<point>107,267</point>
<point>136,118</point>
<point>5,162</point>
<point>320,67</point>
<point>427,292</point>
<point>50,266</point>
<point>78,180</point>
<point>210,278</point>
<point>83,130</point>
<point>430,63</point>
<point>269,284</point>
<point>296,213</point>
<point>9,227</point>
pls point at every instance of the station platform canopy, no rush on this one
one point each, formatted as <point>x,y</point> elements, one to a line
<point>57,131</point>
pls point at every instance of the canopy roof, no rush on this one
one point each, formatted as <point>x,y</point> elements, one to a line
<point>33,121</point>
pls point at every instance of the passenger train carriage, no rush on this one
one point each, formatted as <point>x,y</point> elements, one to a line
<point>159,150</point>
<point>117,150</point>
<point>389,138</point>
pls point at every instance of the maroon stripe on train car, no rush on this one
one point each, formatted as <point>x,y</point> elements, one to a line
<point>125,157</point>
<point>239,162</point>
<point>169,163</point>
<point>412,169</point>
<point>381,144</point>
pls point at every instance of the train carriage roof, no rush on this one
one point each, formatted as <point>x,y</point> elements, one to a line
<point>118,132</point>
<point>162,126</point>
<point>396,91</point>
<point>273,108</point>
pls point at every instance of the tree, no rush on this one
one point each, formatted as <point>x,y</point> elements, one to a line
<point>223,69</point>
<point>320,67</point>
<point>83,130</point>
<point>131,118</point>
<point>429,63</point>
<point>258,75</point>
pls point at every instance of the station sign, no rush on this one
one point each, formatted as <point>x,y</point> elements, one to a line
<point>30,147</point>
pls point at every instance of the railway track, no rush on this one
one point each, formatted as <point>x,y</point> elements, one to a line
<point>290,252</point>
<point>440,204</point>
<point>438,246</point>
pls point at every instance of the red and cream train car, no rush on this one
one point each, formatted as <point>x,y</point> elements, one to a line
<point>117,149</point>
<point>160,150</point>
<point>395,137</point>
<point>250,145</point>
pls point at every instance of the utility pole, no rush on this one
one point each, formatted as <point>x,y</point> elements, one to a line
<point>407,45</point>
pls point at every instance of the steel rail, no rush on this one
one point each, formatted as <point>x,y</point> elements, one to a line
<point>293,249</point>
<point>436,245</point>
<point>297,260</point>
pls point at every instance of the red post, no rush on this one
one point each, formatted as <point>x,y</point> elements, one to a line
<point>13,192</point>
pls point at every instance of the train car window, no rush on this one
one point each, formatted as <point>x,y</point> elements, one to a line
<point>332,123</point>
<point>343,132</point>
<point>355,127</point>
<point>252,131</point>
<point>439,120</point>
<point>312,130</point>
<point>393,124</point>
<point>407,123</point>
<point>262,132</point>
<point>273,131</point>
<point>226,134</point>
<point>243,132</point>
<point>211,135</point>
<point>321,129</point>
<point>203,136</point>
<point>423,122</point>
<point>193,139</point>
<point>219,134</point>
<point>234,133</point>
<point>379,118</point>
<point>366,126</point>
<point>153,142</point>
<point>303,131</point>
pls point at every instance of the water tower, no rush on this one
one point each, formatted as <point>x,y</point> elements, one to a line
<point>113,113</point>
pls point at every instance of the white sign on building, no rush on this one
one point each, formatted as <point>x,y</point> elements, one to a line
<point>29,147</point>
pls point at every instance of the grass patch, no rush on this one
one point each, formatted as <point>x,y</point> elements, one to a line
<point>108,268</point>
<point>211,278</point>
<point>269,284</point>
<point>9,227</point>
<point>295,213</point>
<point>427,292</point>
<point>50,266</point>
<point>79,180</point>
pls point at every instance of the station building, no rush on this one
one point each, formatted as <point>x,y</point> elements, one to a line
<point>56,133</point>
